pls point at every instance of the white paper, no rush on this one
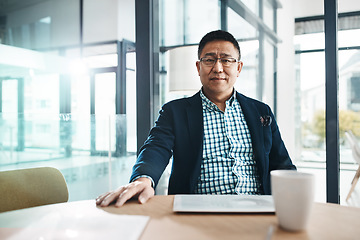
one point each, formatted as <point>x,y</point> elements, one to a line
<point>81,223</point>
<point>223,203</point>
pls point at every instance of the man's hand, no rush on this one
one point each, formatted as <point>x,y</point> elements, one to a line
<point>140,187</point>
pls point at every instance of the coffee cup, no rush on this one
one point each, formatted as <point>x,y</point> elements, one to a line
<point>293,194</point>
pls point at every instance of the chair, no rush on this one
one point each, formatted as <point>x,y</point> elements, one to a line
<point>356,155</point>
<point>24,188</point>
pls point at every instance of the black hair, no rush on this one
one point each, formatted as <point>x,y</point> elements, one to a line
<point>218,35</point>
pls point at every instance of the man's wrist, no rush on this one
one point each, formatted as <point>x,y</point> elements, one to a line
<point>145,176</point>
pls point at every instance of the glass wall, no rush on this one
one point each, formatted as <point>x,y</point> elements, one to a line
<point>181,22</point>
<point>309,43</point>
<point>66,93</point>
<point>248,37</point>
<point>182,25</point>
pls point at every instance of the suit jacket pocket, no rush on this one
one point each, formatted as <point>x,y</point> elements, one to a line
<point>267,139</point>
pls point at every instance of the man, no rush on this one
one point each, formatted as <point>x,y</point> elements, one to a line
<point>222,142</point>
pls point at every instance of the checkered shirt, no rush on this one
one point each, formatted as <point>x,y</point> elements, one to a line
<point>228,166</point>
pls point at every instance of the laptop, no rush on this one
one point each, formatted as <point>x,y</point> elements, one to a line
<point>224,203</point>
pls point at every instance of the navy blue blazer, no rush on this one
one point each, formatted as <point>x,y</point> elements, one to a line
<point>179,132</point>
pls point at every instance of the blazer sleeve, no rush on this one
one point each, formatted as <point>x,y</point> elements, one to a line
<point>278,156</point>
<point>156,152</point>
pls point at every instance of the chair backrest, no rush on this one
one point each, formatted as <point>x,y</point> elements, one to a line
<point>354,145</point>
<point>31,187</point>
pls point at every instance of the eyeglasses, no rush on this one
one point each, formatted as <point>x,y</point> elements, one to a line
<point>226,62</point>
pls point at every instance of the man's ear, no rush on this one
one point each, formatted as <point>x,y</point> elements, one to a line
<point>240,65</point>
<point>198,67</point>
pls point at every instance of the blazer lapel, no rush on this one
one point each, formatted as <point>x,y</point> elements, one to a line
<point>252,117</point>
<point>195,124</point>
<point>196,132</point>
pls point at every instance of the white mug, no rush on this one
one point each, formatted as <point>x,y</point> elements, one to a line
<point>293,194</point>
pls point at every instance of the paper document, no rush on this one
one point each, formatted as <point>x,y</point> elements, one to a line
<point>79,223</point>
<point>223,203</point>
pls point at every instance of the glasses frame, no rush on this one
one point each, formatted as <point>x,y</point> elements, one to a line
<point>221,59</point>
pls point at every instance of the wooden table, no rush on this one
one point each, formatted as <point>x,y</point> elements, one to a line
<point>328,221</point>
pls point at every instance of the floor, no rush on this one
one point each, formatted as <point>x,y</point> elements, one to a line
<point>87,177</point>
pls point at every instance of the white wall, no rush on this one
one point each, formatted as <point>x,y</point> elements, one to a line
<point>286,76</point>
<point>108,20</point>
<point>100,20</point>
<point>65,22</point>
<point>305,8</point>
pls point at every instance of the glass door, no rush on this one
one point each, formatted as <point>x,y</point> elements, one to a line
<point>103,110</point>
<point>12,103</point>
<point>9,99</point>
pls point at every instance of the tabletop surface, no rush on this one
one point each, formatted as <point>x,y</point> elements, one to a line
<point>328,221</point>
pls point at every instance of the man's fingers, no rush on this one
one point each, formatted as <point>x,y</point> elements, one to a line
<point>146,194</point>
<point>131,190</point>
<point>100,198</point>
<point>125,196</point>
<point>140,187</point>
<point>109,197</point>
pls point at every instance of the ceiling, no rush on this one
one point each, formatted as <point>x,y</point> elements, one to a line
<point>12,5</point>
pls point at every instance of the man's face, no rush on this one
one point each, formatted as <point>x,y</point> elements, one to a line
<point>218,80</point>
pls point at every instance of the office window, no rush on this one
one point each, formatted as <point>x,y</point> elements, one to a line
<point>309,45</point>
<point>198,23</point>
<point>247,81</point>
<point>269,13</point>
<point>10,95</point>
<point>172,22</point>
<point>355,92</point>
<point>252,5</point>
<point>269,71</point>
<point>256,79</point>
<point>240,28</point>
<point>49,62</point>
<point>181,22</point>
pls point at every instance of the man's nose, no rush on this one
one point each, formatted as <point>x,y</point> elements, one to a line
<point>218,67</point>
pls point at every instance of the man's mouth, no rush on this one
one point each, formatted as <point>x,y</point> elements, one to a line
<point>217,78</point>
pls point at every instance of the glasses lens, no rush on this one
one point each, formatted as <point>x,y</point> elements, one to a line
<point>226,62</point>
<point>208,61</point>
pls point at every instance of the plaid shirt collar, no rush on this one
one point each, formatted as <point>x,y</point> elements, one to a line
<point>209,105</point>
